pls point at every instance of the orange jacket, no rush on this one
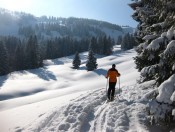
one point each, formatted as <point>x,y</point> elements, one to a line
<point>112,74</point>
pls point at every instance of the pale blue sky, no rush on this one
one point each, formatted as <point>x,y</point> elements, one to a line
<point>114,11</point>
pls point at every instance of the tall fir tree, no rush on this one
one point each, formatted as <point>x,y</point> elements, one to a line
<point>93,45</point>
<point>128,42</point>
<point>110,43</point>
<point>119,40</point>
<point>91,62</point>
<point>4,60</point>
<point>50,50</point>
<point>32,53</point>
<point>76,62</point>
<point>155,53</point>
<point>20,57</point>
<point>107,45</point>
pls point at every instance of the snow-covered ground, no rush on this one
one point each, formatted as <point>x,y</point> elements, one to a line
<point>59,98</point>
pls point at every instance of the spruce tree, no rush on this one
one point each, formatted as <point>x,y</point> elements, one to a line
<point>107,45</point>
<point>119,40</point>
<point>110,42</point>
<point>76,62</point>
<point>19,57</point>
<point>155,54</point>
<point>91,62</point>
<point>50,50</point>
<point>93,45</point>
<point>124,42</point>
<point>128,42</point>
<point>4,59</point>
<point>32,53</point>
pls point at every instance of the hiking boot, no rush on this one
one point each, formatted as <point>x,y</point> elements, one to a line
<point>112,98</point>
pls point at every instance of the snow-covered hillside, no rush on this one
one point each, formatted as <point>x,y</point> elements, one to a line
<point>59,98</point>
<point>23,25</point>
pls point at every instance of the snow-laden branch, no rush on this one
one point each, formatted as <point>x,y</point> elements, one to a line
<point>170,50</point>
<point>149,37</point>
<point>155,44</point>
<point>166,90</point>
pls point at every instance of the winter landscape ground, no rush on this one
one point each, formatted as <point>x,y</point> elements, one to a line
<point>58,98</point>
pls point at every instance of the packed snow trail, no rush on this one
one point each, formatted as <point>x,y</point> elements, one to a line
<point>91,113</point>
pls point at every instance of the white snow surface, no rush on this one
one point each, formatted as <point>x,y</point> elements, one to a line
<point>58,98</point>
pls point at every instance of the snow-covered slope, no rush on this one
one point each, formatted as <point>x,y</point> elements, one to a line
<point>58,98</point>
<point>23,25</point>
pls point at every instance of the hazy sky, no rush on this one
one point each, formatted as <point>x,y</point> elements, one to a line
<point>114,11</point>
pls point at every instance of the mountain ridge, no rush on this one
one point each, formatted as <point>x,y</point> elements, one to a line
<point>24,24</point>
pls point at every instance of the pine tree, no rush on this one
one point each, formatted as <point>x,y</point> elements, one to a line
<point>100,44</point>
<point>19,57</point>
<point>155,54</point>
<point>76,62</point>
<point>119,40</point>
<point>124,42</point>
<point>91,62</point>
<point>4,64</point>
<point>151,32</point>
<point>32,53</point>
<point>107,45</point>
<point>93,44</point>
<point>128,42</point>
<point>110,42</point>
<point>50,50</point>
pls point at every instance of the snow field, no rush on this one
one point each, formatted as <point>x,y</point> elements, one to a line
<point>91,112</point>
<point>52,108</point>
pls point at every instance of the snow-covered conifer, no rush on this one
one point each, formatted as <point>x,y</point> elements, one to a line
<point>91,62</point>
<point>4,60</point>
<point>156,56</point>
<point>76,62</point>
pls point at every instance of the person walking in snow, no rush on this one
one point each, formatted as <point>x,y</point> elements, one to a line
<point>112,74</point>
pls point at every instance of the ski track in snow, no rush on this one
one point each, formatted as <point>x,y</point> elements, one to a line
<point>92,113</point>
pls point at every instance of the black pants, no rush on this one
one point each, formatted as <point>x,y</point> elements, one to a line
<point>111,90</point>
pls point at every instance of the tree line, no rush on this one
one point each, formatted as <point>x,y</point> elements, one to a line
<point>16,54</point>
<point>127,41</point>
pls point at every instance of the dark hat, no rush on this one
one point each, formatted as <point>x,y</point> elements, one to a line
<point>113,65</point>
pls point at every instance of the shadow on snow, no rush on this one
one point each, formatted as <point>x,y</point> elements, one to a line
<point>44,74</point>
<point>101,72</point>
<point>3,80</point>
<point>20,94</point>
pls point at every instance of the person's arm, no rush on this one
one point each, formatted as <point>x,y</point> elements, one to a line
<point>118,74</point>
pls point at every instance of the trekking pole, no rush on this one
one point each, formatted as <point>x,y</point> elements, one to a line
<point>107,88</point>
<point>119,84</point>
